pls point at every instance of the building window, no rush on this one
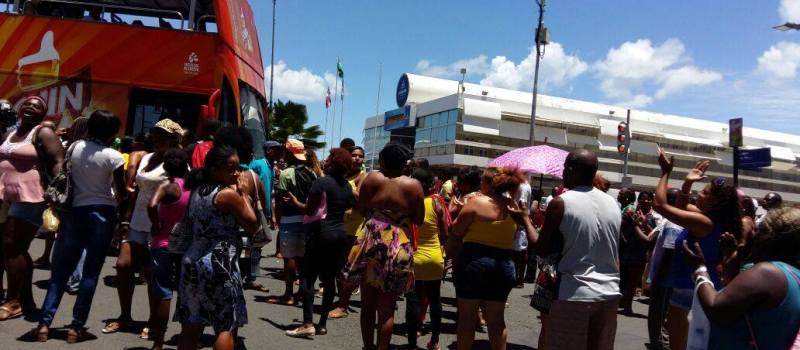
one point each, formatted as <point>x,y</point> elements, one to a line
<point>436,128</point>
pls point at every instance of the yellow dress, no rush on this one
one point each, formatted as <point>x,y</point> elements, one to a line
<point>352,218</point>
<point>428,258</point>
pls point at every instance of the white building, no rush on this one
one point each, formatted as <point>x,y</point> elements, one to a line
<point>454,126</point>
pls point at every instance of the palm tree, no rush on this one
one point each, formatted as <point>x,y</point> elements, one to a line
<point>289,121</point>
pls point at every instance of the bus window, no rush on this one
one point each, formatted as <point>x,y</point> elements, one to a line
<point>147,107</point>
<point>253,118</point>
<point>227,104</point>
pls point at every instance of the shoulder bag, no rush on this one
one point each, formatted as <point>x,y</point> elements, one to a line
<point>59,190</point>
<point>262,236</point>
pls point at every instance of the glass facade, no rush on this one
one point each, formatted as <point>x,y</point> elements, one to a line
<point>380,137</point>
<point>436,134</point>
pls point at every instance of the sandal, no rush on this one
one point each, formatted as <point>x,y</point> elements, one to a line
<point>77,335</point>
<point>433,346</point>
<point>40,333</point>
<point>288,301</point>
<point>338,313</point>
<point>256,286</point>
<point>7,314</point>
<point>114,326</point>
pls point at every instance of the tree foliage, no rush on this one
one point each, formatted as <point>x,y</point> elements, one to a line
<point>289,120</point>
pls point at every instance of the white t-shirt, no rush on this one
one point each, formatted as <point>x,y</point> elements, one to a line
<point>147,182</point>
<point>92,173</point>
<point>591,228</point>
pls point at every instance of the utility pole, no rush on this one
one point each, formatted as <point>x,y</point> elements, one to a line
<point>541,39</point>
<point>377,110</point>
<point>272,63</point>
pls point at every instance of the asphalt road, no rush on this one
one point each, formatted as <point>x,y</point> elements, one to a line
<point>267,322</point>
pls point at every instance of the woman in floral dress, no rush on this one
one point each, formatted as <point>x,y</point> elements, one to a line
<point>382,259</point>
<point>210,291</point>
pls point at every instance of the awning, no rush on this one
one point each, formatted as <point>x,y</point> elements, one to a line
<point>781,153</point>
<point>691,139</point>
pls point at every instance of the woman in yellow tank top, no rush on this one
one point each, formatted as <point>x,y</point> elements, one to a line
<point>484,274</point>
<point>428,263</point>
<point>352,223</point>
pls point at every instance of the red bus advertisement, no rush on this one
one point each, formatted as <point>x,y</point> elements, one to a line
<point>143,60</point>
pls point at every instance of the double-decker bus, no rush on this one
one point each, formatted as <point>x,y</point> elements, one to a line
<point>188,60</point>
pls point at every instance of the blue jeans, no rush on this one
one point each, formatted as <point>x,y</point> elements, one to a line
<point>88,227</point>
<point>77,275</point>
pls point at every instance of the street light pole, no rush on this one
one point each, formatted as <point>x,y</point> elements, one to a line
<point>539,39</point>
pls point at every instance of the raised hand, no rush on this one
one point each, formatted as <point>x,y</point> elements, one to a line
<point>519,211</point>
<point>698,173</point>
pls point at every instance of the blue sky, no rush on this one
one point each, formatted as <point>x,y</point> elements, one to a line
<point>708,59</point>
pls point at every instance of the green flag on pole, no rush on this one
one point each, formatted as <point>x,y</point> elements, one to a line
<point>339,68</point>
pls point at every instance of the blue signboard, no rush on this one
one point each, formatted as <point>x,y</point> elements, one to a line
<point>397,118</point>
<point>755,158</point>
<point>402,91</point>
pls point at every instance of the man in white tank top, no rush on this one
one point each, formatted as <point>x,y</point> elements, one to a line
<point>587,221</point>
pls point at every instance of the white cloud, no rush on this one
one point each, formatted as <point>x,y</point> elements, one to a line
<point>475,66</point>
<point>678,79</point>
<point>790,10</point>
<point>631,70</point>
<point>300,85</point>
<point>781,60</point>
<point>556,69</point>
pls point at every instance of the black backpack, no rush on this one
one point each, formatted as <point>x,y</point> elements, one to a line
<point>303,177</point>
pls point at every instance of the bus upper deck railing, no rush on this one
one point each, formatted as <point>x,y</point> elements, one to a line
<point>158,13</point>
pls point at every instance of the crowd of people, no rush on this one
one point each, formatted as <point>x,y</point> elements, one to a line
<point>191,217</point>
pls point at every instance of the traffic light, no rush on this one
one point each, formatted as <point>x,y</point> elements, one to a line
<point>623,138</point>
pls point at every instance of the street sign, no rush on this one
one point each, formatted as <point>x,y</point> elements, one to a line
<point>735,138</point>
<point>755,158</point>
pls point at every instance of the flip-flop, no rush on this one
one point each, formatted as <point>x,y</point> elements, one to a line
<point>257,287</point>
<point>113,326</point>
<point>281,301</point>
<point>5,313</point>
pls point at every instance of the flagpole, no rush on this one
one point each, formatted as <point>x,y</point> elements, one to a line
<point>333,121</point>
<point>327,111</point>
<point>341,118</point>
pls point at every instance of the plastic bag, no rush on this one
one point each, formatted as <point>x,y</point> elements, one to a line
<point>699,327</point>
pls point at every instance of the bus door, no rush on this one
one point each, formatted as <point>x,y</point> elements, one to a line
<point>147,107</point>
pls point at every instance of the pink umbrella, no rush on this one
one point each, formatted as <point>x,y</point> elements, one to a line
<point>534,159</point>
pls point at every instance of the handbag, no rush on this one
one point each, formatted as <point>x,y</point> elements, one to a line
<point>59,191</point>
<point>699,326</point>
<point>50,221</point>
<point>321,213</point>
<point>263,235</point>
<point>545,287</point>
